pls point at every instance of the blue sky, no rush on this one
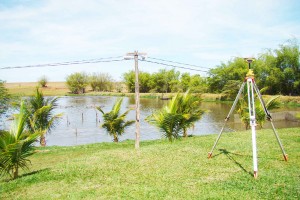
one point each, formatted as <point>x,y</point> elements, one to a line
<point>200,32</point>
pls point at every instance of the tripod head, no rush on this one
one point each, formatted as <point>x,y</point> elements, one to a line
<point>249,61</point>
<point>250,72</point>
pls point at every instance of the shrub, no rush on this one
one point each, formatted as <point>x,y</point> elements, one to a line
<point>101,82</point>
<point>77,82</point>
<point>43,81</point>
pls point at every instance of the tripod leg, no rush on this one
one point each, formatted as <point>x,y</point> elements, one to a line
<point>285,156</point>
<point>216,142</point>
<point>226,119</point>
<point>269,117</point>
<point>251,106</point>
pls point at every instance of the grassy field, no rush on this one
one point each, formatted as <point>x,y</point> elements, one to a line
<point>27,89</point>
<point>163,170</point>
<point>60,89</point>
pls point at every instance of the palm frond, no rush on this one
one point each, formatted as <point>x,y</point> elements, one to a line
<point>273,103</point>
<point>114,122</point>
<point>41,117</point>
<point>16,146</point>
<point>180,114</point>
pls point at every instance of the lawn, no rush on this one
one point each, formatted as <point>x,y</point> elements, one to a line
<point>164,170</point>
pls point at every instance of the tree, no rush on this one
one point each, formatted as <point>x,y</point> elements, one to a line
<point>4,98</point>
<point>144,81</point>
<point>101,82</point>
<point>277,71</point>
<point>185,81</point>
<point>43,81</point>
<point>180,114</point>
<point>231,89</point>
<point>194,83</point>
<point>17,145</point>
<point>114,122</point>
<point>129,79</point>
<point>77,82</point>
<point>198,84</point>
<point>219,76</point>
<point>189,107</point>
<point>165,80</point>
<point>41,115</point>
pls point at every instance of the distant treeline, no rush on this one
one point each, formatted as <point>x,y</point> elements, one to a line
<point>276,72</point>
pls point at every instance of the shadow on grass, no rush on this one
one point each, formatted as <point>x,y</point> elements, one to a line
<point>24,175</point>
<point>229,155</point>
<point>34,172</point>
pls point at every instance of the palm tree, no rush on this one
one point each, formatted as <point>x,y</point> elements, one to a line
<point>114,122</point>
<point>179,115</point>
<point>16,145</point>
<point>189,107</point>
<point>168,121</point>
<point>260,116</point>
<point>272,103</point>
<point>41,118</point>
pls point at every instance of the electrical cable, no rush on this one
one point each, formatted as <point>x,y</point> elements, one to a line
<point>99,60</point>
<point>173,65</point>
<point>178,63</point>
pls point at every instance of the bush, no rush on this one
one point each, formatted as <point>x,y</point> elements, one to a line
<point>4,98</point>
<point>43,81</point>
<point>101,82</point>
<point>77,82</point>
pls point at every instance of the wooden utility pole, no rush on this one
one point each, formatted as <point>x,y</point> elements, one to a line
<point>137,97</point>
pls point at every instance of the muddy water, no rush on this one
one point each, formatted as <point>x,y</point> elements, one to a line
<point>81,122</point>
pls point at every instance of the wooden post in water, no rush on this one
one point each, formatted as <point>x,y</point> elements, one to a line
<point>96,117</point>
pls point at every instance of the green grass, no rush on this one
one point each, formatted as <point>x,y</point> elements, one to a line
<point>163,170</point>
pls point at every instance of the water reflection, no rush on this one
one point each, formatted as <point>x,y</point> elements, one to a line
<point>81,121</point>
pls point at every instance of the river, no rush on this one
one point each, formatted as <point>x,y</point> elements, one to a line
<point>80,123</point>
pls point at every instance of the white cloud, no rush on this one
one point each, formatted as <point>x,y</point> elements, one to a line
<point>200,32</point>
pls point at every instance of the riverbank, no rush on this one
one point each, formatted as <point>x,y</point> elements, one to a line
<point>164,170</point>
<point>60,89</point>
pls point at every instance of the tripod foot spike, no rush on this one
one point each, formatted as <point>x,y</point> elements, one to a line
<point>255,174</point>
<point>285,157</point>
<point>209,155</point>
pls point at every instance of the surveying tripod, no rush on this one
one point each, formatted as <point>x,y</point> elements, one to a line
<point>251,87</point>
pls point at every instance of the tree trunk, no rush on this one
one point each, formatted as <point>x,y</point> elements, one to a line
<point>43,140</point>
<point>15,172</point>
<point>185,133</point>
<point>116,139</point>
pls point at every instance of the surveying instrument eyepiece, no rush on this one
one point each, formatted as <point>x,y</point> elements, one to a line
<point>251,87</point>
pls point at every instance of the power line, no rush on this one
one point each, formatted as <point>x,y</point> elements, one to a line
<point>179,63</point>
<point>106,60</point>
<point>173,65</point>
<point>99,60</point>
